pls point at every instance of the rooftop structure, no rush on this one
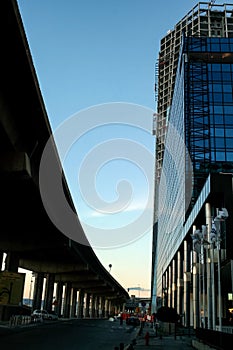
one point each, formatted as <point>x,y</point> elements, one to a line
<point>204,20</point>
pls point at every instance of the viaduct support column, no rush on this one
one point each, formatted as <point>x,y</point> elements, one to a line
<point>123,307</point>
<point>73,302</point>
<point>67,299</point>
<point>12,262</point>
<point>80,303</point>
<point>38,290</point>
<point>103,306</point>
<point>100,307</point>
<point>97,302</point>
<point>49,288</point>
<point>110,308</point>
<point>114,308</point>
<point>107,308</point>
<point>1,260</point>
<point>93,306</point>
<point>59,294</point>
<point>87,308</point>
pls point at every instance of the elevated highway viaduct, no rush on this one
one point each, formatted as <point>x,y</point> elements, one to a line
<point>28,237</point>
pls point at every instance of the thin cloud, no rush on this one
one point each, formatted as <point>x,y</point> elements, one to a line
<point>130,209</point>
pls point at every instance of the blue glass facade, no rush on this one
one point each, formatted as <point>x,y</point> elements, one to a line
<point>199,138</point>
<point>209,106</point>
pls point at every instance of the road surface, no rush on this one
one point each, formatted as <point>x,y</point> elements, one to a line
<point>69,335</point>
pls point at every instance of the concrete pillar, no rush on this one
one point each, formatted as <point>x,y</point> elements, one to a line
<point>73,302</point>
<point>1,260</point>
<point>93,306</point>
<point>80,303</point>
<point>169,286</point>
<point>90,306</point>
<point>97,302</point>
<point>67,300</point>
<point>110,308</point>
<point>163,288</point>
<point>179,284</point>
<point>103,306</point>
<point>38,290</point>
<point>115,310</point>
<point>166,289</point>
<point>87,306</point>
<point>196,307</point>
<point>59,295</point>
<point>100,307</point>
<point>107,308</point>
<point>174,289</point>
<point>101,301</point>
<point>49,289</point>
<point>210,289</point>
<point>11,262</point>
<point>187,279</point>
<point>123,307</point>
<point>200,289</point>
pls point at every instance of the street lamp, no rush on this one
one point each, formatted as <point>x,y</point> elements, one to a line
<point>199,242</point>
<point>215,238</point>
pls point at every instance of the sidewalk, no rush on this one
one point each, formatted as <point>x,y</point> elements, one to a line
<point>167,342</point>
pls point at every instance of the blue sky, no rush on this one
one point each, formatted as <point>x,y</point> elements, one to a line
<point>97,53</point>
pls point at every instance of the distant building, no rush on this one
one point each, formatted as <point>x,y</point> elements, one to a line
<point>138,305</point>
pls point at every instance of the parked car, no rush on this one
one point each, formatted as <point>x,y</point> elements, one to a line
<point>133,321</point>
<point>43,314</point>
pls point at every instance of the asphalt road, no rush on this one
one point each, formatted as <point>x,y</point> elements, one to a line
<point>69,335</point>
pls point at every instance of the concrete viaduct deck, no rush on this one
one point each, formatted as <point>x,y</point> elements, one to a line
<point>28,237</point>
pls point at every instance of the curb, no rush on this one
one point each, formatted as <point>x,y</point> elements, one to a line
<point>134,341</point>
<point>201,346</point>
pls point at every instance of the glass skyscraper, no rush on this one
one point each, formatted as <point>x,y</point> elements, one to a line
<point>194,160</point>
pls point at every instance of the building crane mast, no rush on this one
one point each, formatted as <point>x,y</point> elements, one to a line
<point>138,288</point>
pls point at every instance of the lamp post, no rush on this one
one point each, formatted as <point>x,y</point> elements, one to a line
<point>203,278</point>
<point>199,242</point>
<point>216,239</point>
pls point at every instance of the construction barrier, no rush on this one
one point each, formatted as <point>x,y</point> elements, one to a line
<point>18,320</point>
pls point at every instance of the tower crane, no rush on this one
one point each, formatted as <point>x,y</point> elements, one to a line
<point>138,288</point>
